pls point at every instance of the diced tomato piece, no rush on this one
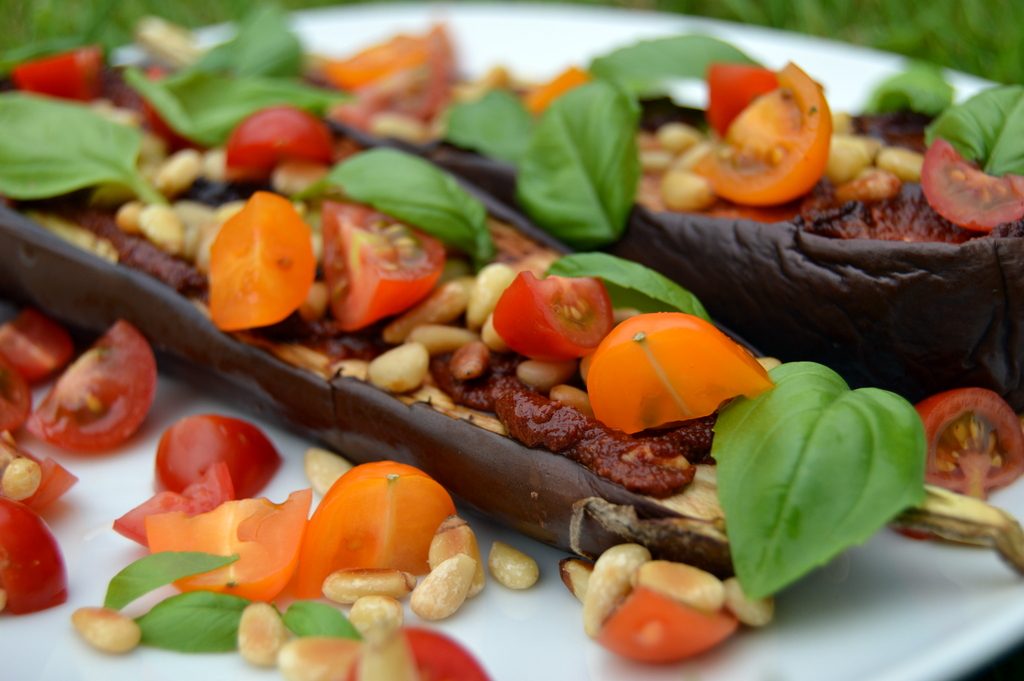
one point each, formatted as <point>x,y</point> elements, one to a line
<point>32,568</point>
<point>54,480</point>
<point>731,88</point>
<point>15,398</point>
<point>70,75</point>
<point>35,345</point>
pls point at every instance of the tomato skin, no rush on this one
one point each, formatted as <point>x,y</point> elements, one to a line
<point>32,570</point>
<point>731,88</point>
<point>195,443</point>
<point>35,345</point>
<point>54,481</point>
<point>15,398</point>
<point>368,275</point>
<point>275,134</point>
<point>541,97</point>
<point>966,196</point>
<point>555,318</point>
<point>438,658</point>
<point>69,75</point>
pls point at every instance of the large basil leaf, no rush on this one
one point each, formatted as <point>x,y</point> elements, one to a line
<point>205,107</point>
<point>630,284</point>
<point>988,128</point>
<point>810,468</point>
<point>413,190</point>
<point>646,66</point>
<point>194,622</point>
<point>49,148</point>
<point>311,618</point>
<point>579,175</point>
<point>497,125</point>
<point>921,88</point>
<point>157,570</point>
<point>263,46</point>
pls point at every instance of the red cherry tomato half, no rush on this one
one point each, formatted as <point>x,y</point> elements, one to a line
<point>15,398</point>
<point>731,87</point>
<point>555,318</point>
<point>102,399</point>
<point>272,135</point>
<point>70,75</point>
<point>966,196</point>
<point>975,443</point>
<point>54,479</point>
<point>205,494</point>
<point>438,658</point>
<point>32,568</point>
<point>374,265</point>
<point>195,443</point>
<point>35,345</point>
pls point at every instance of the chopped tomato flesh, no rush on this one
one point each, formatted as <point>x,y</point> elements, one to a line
<point>69,75</point>
<point>540,98</point>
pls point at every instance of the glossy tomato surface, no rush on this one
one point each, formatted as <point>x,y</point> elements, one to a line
<point>69,75</point>
<point>15,398</point>
<point>35,345</point>
<point>276,134</point>
<point>31,566</point>
<point>731,88</point>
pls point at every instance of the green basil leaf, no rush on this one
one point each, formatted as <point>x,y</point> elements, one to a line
<point>810,468</point>
<point>988,128</point>
<point>921,88</point>
<point>205,107</point>
<point>50,148</point>
<point>157,570</point>
<point>263,46</point>
<point>194,622</point>
<point>496,125</point>
<point>579,175</point>
<point>310,618</point>
<point>646,66</point>
<point>630,284</point>
<point>414,191</point>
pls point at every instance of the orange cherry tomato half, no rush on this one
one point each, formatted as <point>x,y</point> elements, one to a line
<point>776,149</point>
<point>660,368</point>
<point>378,515</point>
<point>32,570</point>
<point>555,318</point>
<point>540,98</point>
<point>377,62</point>
<point>649,627</point>
<point>265,536</point>
<point>731,88</point>
<point>261,264</point>
<point>275,134</point>
<point>975,443</point>
<point>69,75</point>
<point>15,397</point>
<point>54,479</point>
<point>374,265</point>
<point>35,345</point>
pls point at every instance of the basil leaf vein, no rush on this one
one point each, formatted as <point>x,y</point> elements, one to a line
<point>310,618</point>
<point>497,125</point>
<point>194,622</point>
<point>921,88</point>
<point>988,128</point>
<point>157,570</point>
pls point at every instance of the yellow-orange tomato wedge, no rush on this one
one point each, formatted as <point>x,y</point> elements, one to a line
<point>261,264</point>
<point>540,98</point>
<point>265,536</point>
<point>776,149</point>
<point>375,63</point>
<point>378,515</point>
<point>659,368</point>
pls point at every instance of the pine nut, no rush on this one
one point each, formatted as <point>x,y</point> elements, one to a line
<point>215,165</point>
<point>678,137</point>
<point>512,568</point>
<point>496,77</point>
<point>842,123</point>
<point>318,658</point>
<point>400,369</point>
<point>21,479</point>
<point>655,160</point>
<point>178,172</point>
<point>453,537</point>
<point>489,335</point>
<point>575,574</point>
<point>440,338</point>
<point>847,157</point>
<point>314,307</point>
<point>351,584</point>
<point>196,218</point>
<point>107,630</point>
<point>470,361</point>
<point>207,235</point>
<point>261,633</point>
<point>386,656</point>
<point>399,126</point>
<point>621,314</point>
<point>686,191</point>
<point>873,184</point>
<point>152,150</point>
<point>170,43</point>
<point>116,114</point>
<point>444,305</point>
<point>692,156</point>
<point>323,468</point>
<point>768,363</point>
<point>487,288</point>
<point>682,583</point>
<point>162,226</point>
<point>228,210</point>
<point>903,163</point>
<point>572,396</point>
<point>444,589</point>
<point>376,612</point>
<point>543,376</point>
<point>610,582</point>
<point>127,217</point>
<point>294,177</point>
<point>585,366</point>
<point>752,613</point>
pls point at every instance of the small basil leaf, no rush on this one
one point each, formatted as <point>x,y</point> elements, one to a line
<point>194,622</point>
<point>496,125</point>
<point>413,190</point>
<point>921,88</point>
<point>811,468</point>
<point>310,618</point>
<point>579,175</point>
<point>988,128</point>
<point>630,284</point>
<point>50,148</point>
<point>263,46</point>
<point>157,570</point>
<point>205,107</point>
<point>646,66</point>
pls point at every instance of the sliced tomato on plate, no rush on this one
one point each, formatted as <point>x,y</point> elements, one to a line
<point>32,572</point>
<point>35,345</point>
<point>15,397</point>
<point>54,479</point>
<point>276,134</point>
<point>69,75</point>
<point>374,265</point>
<point>731,88</point>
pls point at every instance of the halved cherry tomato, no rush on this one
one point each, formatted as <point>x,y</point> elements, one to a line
<point>438,658</point>
<point>70,75</point>
<point>777,148</point>
<point>649,627</point>
<point>539,98</point>
<point>555,318</point>
<point>31,566</point>
<point>975,443</point>
<point>261,264</point>
<point>276,134</point>
<point>731,88</point>
<point>660,368</point>
<point>211,490</point>
<point>966,196</point>
<point>378,515</point>
<point>15,398</point>
<point>54,479</point>
<point>195,443</point>
<point>35,345</point>
<point>265,536</point>
<point>101,399</point>
<point>374,265</point>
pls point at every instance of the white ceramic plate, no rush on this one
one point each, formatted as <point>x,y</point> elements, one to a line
<point>892,610</point>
